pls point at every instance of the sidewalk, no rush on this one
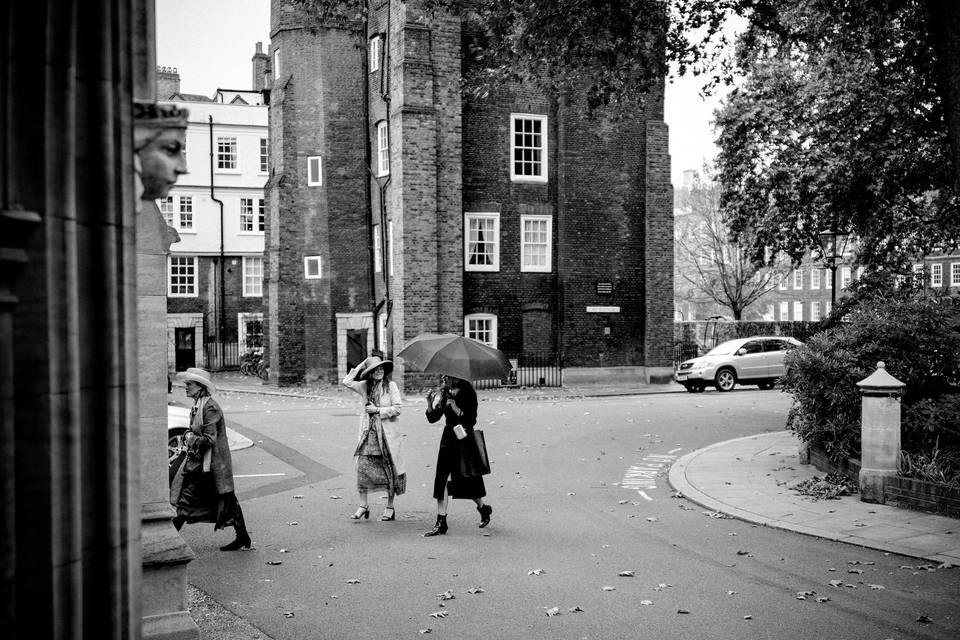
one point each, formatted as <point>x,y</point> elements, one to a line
<point>750,479</point>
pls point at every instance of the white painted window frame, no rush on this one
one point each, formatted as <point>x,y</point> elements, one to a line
<point>481,317</point>
<point>314,171</point>
<point>525,245</point>
<point>543,147</point>
<point>469,216</point>
<point>194,277</point>
<point>307,271</point>
<point>249,273</point>
<point>383,149</point>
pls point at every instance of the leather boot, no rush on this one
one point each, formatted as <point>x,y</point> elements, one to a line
<point>242,540</point>
<point>439,528</point>
<point>485,512</point>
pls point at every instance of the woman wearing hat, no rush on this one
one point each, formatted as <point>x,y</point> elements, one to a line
<point>379,450</point>
<point>202,489</point>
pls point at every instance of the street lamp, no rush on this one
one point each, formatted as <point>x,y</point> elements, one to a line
<point>832,245</point>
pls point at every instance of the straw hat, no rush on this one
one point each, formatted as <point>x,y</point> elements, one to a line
<point>372,363</point>
<point>200,376</point>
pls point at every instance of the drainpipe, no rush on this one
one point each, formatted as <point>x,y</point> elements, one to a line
<point>364,65</point>
<point>221,317</point>
<point>387,249</point>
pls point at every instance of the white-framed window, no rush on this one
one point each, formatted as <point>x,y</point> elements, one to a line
<point>815,278</point>
<point>798,279</point>
<point>314,171</point>
<point>827,307</point>
<point>955,274</point>
<point>226,153</point>
<point>784,310</point>
<point>481,327</point>
<point>535,243</point>
<point>276,63</point>
<point>782,282</point>
<point>166,208</point>
<point>481,242</point>
<point>247,215</point>
<point>377,250</point>
<point>186,213</point>
<point>815,310</point>
<point>845,277</point>
<point>918,272</point>
<point>264,155</point>
<point>389,247</point>
<point>797,310</point>
<point>936,274</point>
<point>828,280</point>
<point>374,60</point>
<point>383,149</point>
<point>182,277</point>
<point>311,267</point>
<point>252,277</point>
<point>528,147</point>
<point>249,331</point>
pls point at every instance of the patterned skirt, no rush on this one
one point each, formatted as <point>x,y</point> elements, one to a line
<point>375,473</point>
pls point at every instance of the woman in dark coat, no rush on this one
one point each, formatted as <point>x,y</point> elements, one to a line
<point>202,488</point>
<point>457,403</point>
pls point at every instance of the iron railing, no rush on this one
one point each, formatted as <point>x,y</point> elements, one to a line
<point>534,369</point>
<point>683,352</point>
<point>220,356</point>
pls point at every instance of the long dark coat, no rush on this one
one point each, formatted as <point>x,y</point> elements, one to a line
<point>455,455</point>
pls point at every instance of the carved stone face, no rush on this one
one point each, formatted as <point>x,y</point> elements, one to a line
<point>162,162</point>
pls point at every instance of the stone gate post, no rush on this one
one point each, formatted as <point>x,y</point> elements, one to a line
<point>879,432</point>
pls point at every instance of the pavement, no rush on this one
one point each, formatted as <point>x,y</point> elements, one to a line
<point>745,478</point>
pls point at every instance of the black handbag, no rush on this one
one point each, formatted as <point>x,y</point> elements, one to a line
<point>474,460</point>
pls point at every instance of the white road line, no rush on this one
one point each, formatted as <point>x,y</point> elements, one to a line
<point>260,475</point>
<point>672,451</point>
<point>645,496</point>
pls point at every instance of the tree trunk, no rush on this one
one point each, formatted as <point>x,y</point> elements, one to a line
<point>944,17</point>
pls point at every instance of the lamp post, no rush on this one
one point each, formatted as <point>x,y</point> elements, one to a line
<point>832,245</point>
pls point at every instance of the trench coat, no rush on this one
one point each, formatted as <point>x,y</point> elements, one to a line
<point>390,403</point>
<point>455,455</point>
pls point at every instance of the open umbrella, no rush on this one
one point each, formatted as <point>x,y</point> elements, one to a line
<point>456,356</point>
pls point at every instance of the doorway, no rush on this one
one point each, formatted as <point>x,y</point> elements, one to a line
<point>356,347</point>
<point>185,355</point>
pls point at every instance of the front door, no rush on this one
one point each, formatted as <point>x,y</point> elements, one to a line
<point>184,354</point>
<point>356,347</point>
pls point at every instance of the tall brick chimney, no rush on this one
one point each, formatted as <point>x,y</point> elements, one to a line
<point>261,63</point>
<point>168,82</point>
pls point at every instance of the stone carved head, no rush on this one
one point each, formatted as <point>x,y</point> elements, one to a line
<point>159,133</point>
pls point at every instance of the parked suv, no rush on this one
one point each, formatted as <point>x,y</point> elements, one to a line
<point>756,360</point>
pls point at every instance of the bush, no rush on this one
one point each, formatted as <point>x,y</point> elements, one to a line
<point>915,333</point>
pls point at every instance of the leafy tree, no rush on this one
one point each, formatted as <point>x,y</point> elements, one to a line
<point>716,266</point>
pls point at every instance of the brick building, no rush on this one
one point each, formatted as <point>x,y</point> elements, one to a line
<point>512,219</point>
<point>215,267</point>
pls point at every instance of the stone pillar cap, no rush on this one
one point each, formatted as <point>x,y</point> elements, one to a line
<point>880,380</point>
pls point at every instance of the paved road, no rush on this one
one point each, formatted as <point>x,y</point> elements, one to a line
<point>579,493</point>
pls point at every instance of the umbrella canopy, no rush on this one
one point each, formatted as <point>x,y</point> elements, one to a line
<point>456,356</point>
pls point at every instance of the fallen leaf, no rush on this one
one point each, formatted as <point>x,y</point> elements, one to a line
<point>731,593</point>
<point>609,588</point>
<point>924,619</point>
<point>439,614</point>
<point>743,553</point>
<point>823,599</point>
<point>652,519</point>
<point>646,603</point>
<point>554,611</point>
<point>623,502</point>
<point>284,551</point>
<point>298,497</point>
<point>876,587</point>
<point>536,572</point>
<point>293,524</point>
<point>288,614</point>
<point>575,609</point>
<point>353,581</point>
<point>946,565</point>
<point>446,595</point>
<point>475,590</point>
<point>682,611</point>
<point>857,571</point>
<point>625,574</point>
<point>748,617</point>
<point>336,497</point>
<point>836,583</point>
<point>274,562</point>
<point>427,630</point>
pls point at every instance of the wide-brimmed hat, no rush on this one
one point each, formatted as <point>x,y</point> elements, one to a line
<point>200,376</point>
<point>372,363</point>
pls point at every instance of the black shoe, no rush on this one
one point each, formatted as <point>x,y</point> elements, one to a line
<point>242,542</point>
<point>485,512</point>
<point>439,528</point>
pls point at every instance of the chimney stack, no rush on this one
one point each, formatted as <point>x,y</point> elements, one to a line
<point>168,82</point>
<point>261,63</point>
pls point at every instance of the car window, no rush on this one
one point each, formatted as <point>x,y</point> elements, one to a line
<point>753,346</point>
<point>724,348</point>
<point>775,345</point>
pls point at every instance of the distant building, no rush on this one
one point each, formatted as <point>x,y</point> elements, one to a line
<point>396,206</point>
<point>215,270</point>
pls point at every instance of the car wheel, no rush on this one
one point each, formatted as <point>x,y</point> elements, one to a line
<point>174,442</point>
<point>696,387</point>
<point>726,379</point>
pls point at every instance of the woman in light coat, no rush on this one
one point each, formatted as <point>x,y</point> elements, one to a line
<point>379,450</point>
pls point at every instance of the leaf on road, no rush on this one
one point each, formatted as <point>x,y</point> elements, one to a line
<point>731,593</point>
<point>571,493</point>
<point>284,551</point>
<point>946,565</point>
<point>625,574</point>
<point>274,562</point>
<point>623,502</point>
<point>744,553</point>
<point>857,571</point>
<point>475,590</point>
<point>427,630</point>
<point>447,595</point>
<point>336,497</point>
<point>555,611</point>
<point>716,514</point>
<point>575,609</point>
<point>924,619</point>
<point>607,588</point>
<point>801,595</point>
<point>439,614</point>
<point>647,603</point>
<point>823,599</point>
<point>288,614</point>
<point>748,617</point>
<point>836,583</point>
<point>293,524</point>
<point>353,581</point>
<point>536,572</point>
<point>876,587</point>
<point>298,497</point>
<point>682,611</point>
<point>652,519</point>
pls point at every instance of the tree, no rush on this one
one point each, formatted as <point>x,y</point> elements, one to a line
<point>714,265</point>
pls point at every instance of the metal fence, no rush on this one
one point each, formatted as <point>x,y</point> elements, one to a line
<point>529,370</point>
<point>222,355</point>
<point>683,352</point>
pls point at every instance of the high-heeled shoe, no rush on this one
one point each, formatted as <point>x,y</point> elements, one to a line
<point>392,516</point>
<point>242,542</point>
<point>362,512</point>
<point>439,528</point>
<point>485,512</point>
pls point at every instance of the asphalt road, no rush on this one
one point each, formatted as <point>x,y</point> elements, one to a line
<point>580,495</point>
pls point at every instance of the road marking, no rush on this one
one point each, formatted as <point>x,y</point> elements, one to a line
<point>675,450</point>
<point>260,475</point>
<point>643,475</point>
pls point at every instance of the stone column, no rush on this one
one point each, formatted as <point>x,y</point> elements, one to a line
<point>880,432</point>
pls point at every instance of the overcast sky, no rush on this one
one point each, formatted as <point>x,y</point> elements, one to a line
<point>211,43</point>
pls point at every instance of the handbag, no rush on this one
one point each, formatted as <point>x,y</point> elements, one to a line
<point>474,460</point>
